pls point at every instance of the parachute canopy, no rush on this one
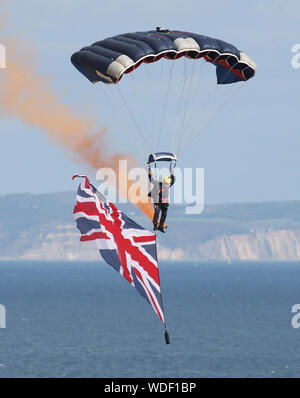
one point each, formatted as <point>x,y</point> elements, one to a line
<point>168,103</point>
<point>109,59</point>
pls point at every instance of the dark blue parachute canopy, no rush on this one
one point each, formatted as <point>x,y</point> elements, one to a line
<point>107,60</point>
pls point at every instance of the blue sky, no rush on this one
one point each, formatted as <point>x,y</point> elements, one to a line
<point>250,151</point>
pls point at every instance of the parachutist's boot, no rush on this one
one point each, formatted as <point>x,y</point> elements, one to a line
<point>154,227</point>
<point>161,229</point>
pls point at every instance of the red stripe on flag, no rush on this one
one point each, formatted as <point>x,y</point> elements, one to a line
<point>93,236</point>
<point>88,208</point>
<point>138,239</point>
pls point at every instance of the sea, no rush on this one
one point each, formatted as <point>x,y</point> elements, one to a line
<point>83,320</point>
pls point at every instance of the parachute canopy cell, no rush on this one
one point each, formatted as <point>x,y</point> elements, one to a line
<point>162,157</point>
<point>109,59</point>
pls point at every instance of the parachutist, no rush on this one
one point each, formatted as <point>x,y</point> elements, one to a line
<point>160,197</point>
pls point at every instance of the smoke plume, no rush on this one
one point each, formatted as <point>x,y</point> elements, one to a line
<point>29,96</point>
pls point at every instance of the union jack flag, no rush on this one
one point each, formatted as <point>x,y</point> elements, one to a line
<point>122,243</point>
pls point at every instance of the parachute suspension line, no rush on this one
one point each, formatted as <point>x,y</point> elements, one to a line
<point>200,72</point>
<point>186,107</point>
<point>196,94</point>
<point>165,105</point>
<point>211,96</point>
<point>174,131</point>
<point>144,97</point>
<point>138,100</point>
<point>201,75</point>
<point>133,84</point>
<point>208,120</point>
<point>155,170</point>
<point>133,118</point>
<point>150,112</point>
<point>106,96</point>
<point>200,81</point>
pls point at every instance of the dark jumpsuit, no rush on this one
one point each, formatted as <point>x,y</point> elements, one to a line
<point>160,197</point>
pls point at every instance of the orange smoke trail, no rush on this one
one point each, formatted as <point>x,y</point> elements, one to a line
<point>28,95</point>
<point>146,209</point>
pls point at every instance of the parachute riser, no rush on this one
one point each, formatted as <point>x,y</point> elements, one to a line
<point>174,165</point>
